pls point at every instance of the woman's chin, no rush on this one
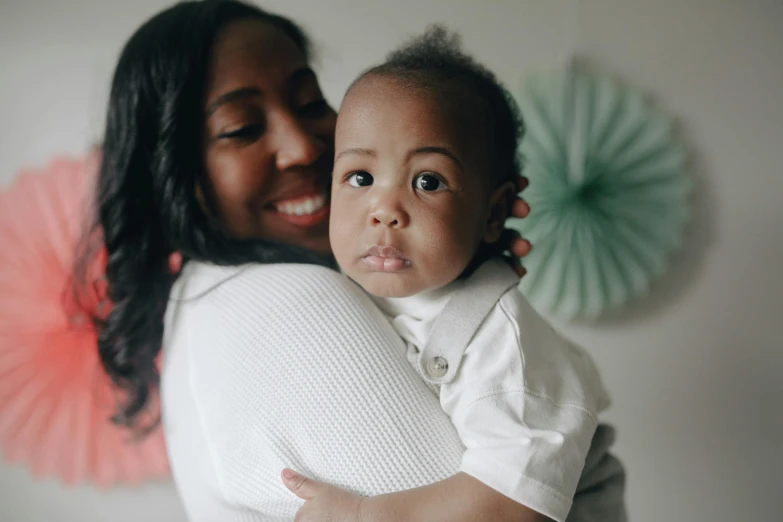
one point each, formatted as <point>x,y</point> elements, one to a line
<point>318,245</point>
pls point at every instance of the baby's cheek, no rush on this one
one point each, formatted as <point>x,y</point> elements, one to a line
<point>343,237</point>
<point>450,252</point>
<point>337,238</point>
<point>463,238</point>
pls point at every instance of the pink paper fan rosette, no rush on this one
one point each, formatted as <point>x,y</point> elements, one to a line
<point>55,400</point>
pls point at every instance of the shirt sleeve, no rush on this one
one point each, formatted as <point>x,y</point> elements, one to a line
<point>525,402</point>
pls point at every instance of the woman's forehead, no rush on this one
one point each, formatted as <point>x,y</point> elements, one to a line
<point>249,51</point>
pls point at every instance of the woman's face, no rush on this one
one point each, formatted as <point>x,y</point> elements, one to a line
<point>269,139</point>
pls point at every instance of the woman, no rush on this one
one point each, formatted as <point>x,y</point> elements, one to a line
<point>218,146</point>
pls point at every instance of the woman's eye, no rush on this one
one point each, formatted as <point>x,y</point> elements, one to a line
<point>245,132</point>
<point>314,109</point>
<point>429,183</point>
<point>360,179</point>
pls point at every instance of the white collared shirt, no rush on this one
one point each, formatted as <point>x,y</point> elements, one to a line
<point>523,399</point>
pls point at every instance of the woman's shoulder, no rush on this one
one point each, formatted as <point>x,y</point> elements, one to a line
<point>222,299</point>
<point>202,281</point>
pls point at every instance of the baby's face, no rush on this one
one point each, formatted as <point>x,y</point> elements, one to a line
<point>410,200</point>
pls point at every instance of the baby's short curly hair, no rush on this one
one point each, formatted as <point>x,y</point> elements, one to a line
<point>435,61</point>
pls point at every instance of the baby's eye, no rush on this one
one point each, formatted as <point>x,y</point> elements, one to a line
<point>360,179</point>
<point>428,182</point>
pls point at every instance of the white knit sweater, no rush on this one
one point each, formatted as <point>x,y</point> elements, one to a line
<point>290,365</point>
<point>273,366</point>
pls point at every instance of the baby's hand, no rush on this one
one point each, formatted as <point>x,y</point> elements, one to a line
<point>323,502</point>
<point>516,244</point>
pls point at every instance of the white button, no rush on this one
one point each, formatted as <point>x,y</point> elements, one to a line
<point>437,367</point>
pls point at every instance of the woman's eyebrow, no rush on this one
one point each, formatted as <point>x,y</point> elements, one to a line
<point>299,76</point>
<point>296,78</point>
<point>231,96</point>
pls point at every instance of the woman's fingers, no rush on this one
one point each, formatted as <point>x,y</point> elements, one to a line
<point>520,247</point>
<point>515,243</point>
<point>520,208</point>
<point>522,183</point>
<point>516,265</point>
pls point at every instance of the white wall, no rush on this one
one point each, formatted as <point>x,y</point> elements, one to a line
<point>695,369</point>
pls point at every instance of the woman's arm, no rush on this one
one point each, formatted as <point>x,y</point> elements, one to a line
<point>294,366</point>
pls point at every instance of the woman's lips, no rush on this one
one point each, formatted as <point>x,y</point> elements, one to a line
<point>302,211</point>
<point>385,259</point>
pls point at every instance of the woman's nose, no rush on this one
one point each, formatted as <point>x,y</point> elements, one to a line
<point>296,145</point>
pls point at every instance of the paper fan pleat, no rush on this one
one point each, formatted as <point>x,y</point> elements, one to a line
<point>608,193</point>
<point>55,400</point>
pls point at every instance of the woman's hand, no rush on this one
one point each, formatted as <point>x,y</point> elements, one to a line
<point>323,502</point>
<point>516,244</point>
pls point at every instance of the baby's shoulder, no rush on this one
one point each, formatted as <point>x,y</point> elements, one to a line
<point>552,363</point>
<point>515,311</point>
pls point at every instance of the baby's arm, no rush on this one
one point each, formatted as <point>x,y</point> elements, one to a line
<point>525,404</point>
<point>457,498</point>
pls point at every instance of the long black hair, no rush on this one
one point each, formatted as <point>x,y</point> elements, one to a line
<point>146,203</point>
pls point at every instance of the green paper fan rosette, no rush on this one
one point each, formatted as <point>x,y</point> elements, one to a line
<point>608,194</point>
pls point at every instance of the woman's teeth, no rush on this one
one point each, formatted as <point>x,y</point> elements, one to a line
<point>302,206</point>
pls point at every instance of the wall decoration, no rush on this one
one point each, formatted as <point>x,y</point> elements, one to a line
<point>55,400</point>
<point>608,193</point>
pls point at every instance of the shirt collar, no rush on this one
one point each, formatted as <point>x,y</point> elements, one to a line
<point>422,306</point>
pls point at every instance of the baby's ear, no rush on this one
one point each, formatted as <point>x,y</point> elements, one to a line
<point>499,208</point>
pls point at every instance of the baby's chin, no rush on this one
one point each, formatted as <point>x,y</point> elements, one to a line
<point>388,285</point>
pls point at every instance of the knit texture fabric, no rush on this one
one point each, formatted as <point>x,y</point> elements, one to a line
<point>273,366</point>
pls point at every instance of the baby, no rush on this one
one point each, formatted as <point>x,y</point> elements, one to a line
<point>425,163</point>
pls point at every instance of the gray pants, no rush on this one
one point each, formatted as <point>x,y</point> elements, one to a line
<point>600,494</point>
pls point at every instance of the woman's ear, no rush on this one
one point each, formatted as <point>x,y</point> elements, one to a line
<point>499,207</point>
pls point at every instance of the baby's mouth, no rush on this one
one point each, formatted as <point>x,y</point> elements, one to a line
<point>382,258</point>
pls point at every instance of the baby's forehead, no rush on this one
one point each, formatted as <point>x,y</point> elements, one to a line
<point>444,102</point>
<point>377,107</point>
<point>417,85</point>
